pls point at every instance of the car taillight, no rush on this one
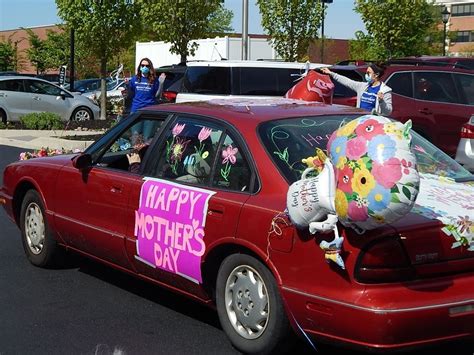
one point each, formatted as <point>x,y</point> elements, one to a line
<point>170,95</point>
<point>384,260</point>
<point>467,130</point>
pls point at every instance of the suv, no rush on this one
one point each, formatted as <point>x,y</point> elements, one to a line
<point>248,79</point>
<point>455,62</point>
<point>438,99</point>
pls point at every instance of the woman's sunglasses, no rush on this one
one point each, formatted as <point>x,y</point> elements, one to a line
<point>145,65</point>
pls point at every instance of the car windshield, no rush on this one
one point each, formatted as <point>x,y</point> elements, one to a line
<point>289,141</point>
<point>111,84</point>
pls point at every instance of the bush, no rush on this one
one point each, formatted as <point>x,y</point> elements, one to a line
<point>42,120</point>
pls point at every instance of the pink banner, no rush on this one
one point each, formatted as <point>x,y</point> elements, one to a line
<point>169,226</point>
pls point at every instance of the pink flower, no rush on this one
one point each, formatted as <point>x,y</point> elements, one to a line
<point>387,174</point>
<point>406,166</point>
<point>344,179</point>
<point>178,128</point>
<point>228,154</point>
<point>356,147</point>
<point>369,129</point>
<point>357,213</point>
<point>204,134</point>
<point>23,156</point>
<point>43,153</point>
<point>420,149</point>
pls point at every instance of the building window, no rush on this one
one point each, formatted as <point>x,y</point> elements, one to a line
<point>465,36</point>
<point>463,10</point>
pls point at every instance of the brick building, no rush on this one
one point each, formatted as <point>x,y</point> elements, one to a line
<point>461,21</point>
<point>19,38</point>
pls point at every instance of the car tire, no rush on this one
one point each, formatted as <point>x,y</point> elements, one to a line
<point>3,117</point>
<point>250,307</point>
<point>82,114</point>
<point>39,245</point>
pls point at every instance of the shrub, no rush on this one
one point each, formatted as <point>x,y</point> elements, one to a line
<point>42,120</point>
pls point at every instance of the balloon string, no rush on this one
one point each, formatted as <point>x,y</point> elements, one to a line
<point>275,229</point>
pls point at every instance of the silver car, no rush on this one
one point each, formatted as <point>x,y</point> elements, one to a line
<point>465,151</point>
<point>114,91</point>
<point>20,95</point>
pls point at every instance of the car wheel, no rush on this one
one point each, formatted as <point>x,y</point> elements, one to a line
<point>3,116</point>
<point>39,245</point>
<point>81,114</point>
<point>250,307</point>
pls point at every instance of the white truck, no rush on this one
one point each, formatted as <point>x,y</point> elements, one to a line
<point>209,49</point>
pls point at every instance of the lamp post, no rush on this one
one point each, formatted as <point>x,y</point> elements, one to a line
<point>445,17</point>
<point>323,2</point>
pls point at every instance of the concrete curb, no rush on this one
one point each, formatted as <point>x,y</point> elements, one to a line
<point>37,139</point>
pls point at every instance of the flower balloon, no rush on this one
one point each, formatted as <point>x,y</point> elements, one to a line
<point>376,177</point>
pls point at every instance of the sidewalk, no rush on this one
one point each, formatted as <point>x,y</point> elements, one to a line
<point>33,139</point>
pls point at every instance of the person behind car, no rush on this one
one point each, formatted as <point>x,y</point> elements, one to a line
<point>373,95</point>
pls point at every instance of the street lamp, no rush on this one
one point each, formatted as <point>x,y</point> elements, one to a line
<point>445,17</point>
<point>323,2</point>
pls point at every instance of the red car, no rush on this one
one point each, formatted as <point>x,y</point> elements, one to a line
<point>204,215</point>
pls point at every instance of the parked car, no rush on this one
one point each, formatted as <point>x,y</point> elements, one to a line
<point>172,85</point>
<point>204,80</point>
<point>204,217</point>
<point>86,85</point>
<point>465,151</point>
<point>438,99</point>
<point>455,62</point>
<point>113,90</point>
<point>21,95</point>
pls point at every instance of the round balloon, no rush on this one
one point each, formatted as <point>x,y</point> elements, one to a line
<point>376,177</point>
<point>312,87</point>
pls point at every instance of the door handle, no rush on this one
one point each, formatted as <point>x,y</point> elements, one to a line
<point>37,98</point>
<point>216,211</point>
<point>425,111</point>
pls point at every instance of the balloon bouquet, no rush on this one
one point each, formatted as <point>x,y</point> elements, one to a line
<point>368,179</point>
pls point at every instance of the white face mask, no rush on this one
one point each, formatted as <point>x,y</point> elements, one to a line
<point>368,78</point>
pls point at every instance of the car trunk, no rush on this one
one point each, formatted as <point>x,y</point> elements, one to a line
<point>430,249</point>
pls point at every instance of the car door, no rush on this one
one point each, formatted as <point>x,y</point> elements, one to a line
<point>403,102</point>
<point>196,157</point>
<point>438,101</point>
<point>46,97</point>
<point>93,203</point>
<point>13,98</point>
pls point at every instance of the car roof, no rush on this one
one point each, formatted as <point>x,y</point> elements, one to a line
<point>256,63</point>
<point>10,77</point>
<point>255,110</point>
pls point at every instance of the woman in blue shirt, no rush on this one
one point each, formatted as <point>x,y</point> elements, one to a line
<point>373,95</point>
<point>144,87</point>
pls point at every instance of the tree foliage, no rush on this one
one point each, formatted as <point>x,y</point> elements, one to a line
<point>8,55</point>
<point>220,22</point>
<point>291,24</point>
<point>178,22</point>
<point>103,26</point>
<point>395,28</point>
<point>35,52</point>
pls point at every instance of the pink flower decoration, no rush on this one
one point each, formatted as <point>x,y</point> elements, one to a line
<point>420,149</point>
<point>357,213</point>
<point>178,128</point>
<point>23,156</point>
<point>387,174</point>
<point>204,134</point>
<point>228,154</point>
<point>406,165</point>
<point>344,179</point>
<point>369,129</point>
<point>356,147</point>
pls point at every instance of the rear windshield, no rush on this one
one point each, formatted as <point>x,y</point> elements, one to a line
<point>288,141</point>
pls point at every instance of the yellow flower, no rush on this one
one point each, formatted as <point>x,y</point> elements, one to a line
<point>341,203</point>
<point>347,129</point>
<point>341,162</point>
<point>205,154</point>
<point>363,182</point>
<point>393,128</point>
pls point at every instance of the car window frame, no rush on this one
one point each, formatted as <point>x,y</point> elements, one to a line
<point>149,168</point>
<point>22,83</point>
<point>387,81</point>
<point>450,73</point>
<point>461,91</point>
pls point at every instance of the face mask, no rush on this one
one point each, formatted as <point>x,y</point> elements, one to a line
<point>368,78</point>
<point>144,70</point>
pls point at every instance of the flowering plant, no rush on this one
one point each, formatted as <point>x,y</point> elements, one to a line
<point>376,177</point>
<point>46,152</point>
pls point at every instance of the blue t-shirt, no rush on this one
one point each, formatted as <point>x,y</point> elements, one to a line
<point>143,92</point>
<point>368,98</point>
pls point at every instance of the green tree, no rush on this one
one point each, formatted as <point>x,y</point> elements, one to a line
<point>291,24</point>
<point>36,52</point>
<point>8,55</point>
<point>396,28</point>
<point>103,26</point>
<point>220,22</point>
<point>178,22</point>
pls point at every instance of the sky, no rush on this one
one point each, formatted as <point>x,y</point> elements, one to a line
<point>341,21</point>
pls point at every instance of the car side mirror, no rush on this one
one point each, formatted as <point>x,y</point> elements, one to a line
<point>82,161</point>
